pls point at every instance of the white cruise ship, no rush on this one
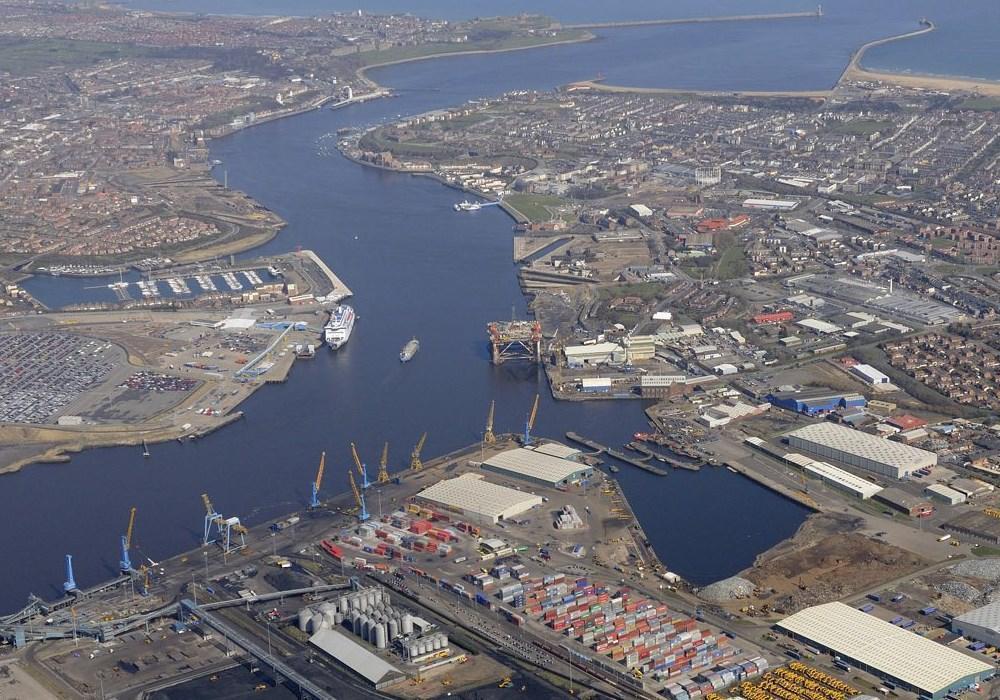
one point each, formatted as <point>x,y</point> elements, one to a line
<point>338,329</point>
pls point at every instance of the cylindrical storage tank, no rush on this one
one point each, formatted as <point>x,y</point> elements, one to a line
<point>366,628</point>
<point>338,619</point>
<point>393,629</point>
<point>304,616</point>
<point>425,648</point>
<point>329,618</point>
<point>436,644</point>
<point>372,597</point>
<point>407,624</point>
<point>380,636</point>
<point>315,623</point>
<point>356,623</point>
<point>444,640</point>
<point>344,605</point>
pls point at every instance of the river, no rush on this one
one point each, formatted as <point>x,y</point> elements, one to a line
<point>417,268</point>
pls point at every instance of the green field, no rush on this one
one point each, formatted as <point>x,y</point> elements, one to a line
<point>980,104</point>
<point>30,56</point>
<point>732,259</point>
<point>407,53</point>
<point>534,206</point>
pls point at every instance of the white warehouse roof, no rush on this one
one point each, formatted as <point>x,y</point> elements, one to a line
<point>869,448</point>
<point>893,651</point>
<point>987,617</point>
<point>351,654</point>
<point>594,350</point>
<point>534,465</point>
<point>556,449</point>
<point>843,479</point>
<point>470,493</point>
<point>870,374</point>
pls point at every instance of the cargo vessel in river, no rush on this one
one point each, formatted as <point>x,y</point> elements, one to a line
<point>409,350</point>
<point>338,329</point>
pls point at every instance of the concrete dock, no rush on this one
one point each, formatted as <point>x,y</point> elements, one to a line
<point>620,456</point>
<point>340,290</point>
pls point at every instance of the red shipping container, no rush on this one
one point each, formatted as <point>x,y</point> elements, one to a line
<point>420,527</point>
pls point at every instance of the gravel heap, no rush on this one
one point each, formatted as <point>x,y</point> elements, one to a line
<point>962,591</point>
<point>986,569</point>
<point>727,589</point>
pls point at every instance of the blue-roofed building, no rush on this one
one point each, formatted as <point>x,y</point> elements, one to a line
<point>814,401</point>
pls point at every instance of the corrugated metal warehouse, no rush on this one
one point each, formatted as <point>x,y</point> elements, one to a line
<point>981,624</point>
<point>861,449</point>
<point>904,502</point>
<point>471,494</point>
<point>816,401</point>
<point>945,494</point>
<point>538,467</point>
<point>912,662</point>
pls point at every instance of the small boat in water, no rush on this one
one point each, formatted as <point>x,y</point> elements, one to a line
<point>409,350</point>
<point>613,469</point>
<point>145,449</point>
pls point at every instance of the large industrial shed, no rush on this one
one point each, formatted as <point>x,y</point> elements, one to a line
<point>538,467</point>
<point>861,449</point>
<point>472,495</point>
<point>981,624</point>
<point>815,401</point>
<point>912,662</point>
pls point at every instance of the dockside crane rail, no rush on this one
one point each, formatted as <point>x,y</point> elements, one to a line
<point>318,482</point>
<point>489,437</point>
<point>359,498</point>
<point>415,463</point>
<point>529,424</point>
<point>383,465</point>
<point>362,469</point>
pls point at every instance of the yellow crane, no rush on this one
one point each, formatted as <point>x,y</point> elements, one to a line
<point>529,424</point>
<point>125,563</point>
<point>489,437</point>
<point>359,498</point>
<point>383,465</point>
<point>131,526</point>
<point>314,501</point>
<point>362,471</point>
<point>415,463</point>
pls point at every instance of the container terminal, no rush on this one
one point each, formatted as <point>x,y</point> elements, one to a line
<point>502,565</point>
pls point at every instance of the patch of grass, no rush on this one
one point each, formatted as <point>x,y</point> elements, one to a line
<point>983,551</point>
<point>980,104</point>
<point>732,258</point>
<point>647,291</point>
<point>534,207</point>
<point>30,56</point>
<point>500,43</point>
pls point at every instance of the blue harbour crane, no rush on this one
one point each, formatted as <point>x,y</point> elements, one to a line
<point>318,482</point>
<point>69,585</point>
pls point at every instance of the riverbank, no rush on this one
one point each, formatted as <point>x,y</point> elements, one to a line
<point>681,92</point>
<point>362,72</point>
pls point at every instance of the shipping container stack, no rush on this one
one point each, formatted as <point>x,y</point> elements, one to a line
<point>394,533</point>
<point>716,680</point>
<point>632,630</point>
